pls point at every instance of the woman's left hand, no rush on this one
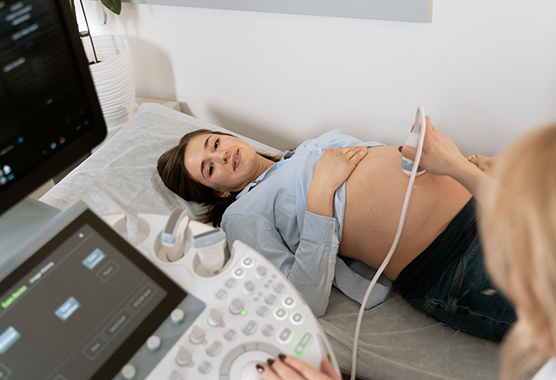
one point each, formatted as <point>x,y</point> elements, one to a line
<point>335,166</point>
<point>331,170</point>
<point>290,368</point>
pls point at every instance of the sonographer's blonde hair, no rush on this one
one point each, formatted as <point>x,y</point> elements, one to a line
<point>518,229</point>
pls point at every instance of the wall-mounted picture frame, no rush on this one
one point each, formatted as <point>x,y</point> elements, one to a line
<point>394,10</point>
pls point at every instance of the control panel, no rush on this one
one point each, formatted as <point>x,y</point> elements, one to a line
<point>245,314</point>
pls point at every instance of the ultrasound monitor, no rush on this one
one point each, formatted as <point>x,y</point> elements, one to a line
<point>49,112</point>
<point>76,299</point>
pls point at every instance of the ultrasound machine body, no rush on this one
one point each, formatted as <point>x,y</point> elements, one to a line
<point>77,300</point>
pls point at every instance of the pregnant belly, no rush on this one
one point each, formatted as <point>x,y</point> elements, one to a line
<point>375,193</point>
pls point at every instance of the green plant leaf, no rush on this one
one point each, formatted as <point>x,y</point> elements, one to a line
<point>114,5</point>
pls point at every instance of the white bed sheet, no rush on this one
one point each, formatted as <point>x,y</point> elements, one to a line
<point>396,341</point>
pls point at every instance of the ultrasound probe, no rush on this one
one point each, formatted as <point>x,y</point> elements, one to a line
<point>415,139</point>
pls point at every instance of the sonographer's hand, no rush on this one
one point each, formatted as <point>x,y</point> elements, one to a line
<point>440,155</point>
<point>287,367</point>
<point>331,170</point>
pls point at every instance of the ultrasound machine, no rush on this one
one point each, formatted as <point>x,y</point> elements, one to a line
<point>77,300</point>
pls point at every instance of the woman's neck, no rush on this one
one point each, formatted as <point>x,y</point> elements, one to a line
<point>263,165</point>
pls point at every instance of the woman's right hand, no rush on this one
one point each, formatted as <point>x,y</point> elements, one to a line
<point>331,170</point>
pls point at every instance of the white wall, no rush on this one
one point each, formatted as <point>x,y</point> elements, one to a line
<point>485,70</point>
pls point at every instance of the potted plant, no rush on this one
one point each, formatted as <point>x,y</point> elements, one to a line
<point>111,69</point>
<point>113,5</point>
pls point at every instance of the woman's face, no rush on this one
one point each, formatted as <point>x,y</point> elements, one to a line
<point>222,163</point>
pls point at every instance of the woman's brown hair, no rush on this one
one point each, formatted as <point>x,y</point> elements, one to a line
<point>171,168</point>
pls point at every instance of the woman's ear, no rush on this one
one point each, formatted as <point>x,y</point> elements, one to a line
<point>223,194</point>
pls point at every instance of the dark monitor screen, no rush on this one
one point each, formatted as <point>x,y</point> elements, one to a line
<point>81,305</point>
<point>49,111</point>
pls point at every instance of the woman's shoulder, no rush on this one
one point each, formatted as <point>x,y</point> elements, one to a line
<point>325,138</point>
<point>337,132</point>
<point>339,137</point>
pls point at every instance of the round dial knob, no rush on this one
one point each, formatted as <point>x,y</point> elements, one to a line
<point>153,343</point>
<point>248,287</point>
<point>177,316</point>
<point>215,318</point>
<point>197,335</point>
<point>260,272</point>
<point>183,357</point>
<point>236,306</point>
<point>129,372</point>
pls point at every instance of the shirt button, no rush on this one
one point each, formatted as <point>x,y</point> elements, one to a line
<point>334,262</point>
<point>319,151</point>
<point>334,231</point>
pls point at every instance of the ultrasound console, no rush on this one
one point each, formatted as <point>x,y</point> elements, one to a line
<point>77,301</point>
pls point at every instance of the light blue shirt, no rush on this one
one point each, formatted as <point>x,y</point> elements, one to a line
<point>270,215</point>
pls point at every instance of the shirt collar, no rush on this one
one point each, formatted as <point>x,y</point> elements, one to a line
<point>283,161</point>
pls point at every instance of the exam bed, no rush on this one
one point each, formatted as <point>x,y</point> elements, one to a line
<point>396,341</point>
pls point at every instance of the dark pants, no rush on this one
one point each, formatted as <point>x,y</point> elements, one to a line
<point>465,299</point>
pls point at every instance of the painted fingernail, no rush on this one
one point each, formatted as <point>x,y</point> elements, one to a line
<point>260,368</point>
<point>282,357</point>
<point>400,148</point>
<point>270,361</point>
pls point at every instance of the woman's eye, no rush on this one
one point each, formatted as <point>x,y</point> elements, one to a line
<point>216,143</point>
<point>211,168</point>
